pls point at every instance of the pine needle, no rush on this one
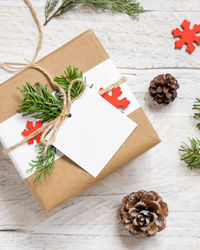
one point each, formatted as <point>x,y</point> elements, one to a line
<point>190,154</point>
<point>64,80</point>
<point>130,7</point>
<point>43,164</point>
<point>49,7</point>
<point>196,107</point>
<point>38,102</point>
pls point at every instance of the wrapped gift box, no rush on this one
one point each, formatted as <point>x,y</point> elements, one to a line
<point>67,178</point>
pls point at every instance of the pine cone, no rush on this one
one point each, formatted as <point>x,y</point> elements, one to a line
<point>143,213</point>
<point>163,88</point>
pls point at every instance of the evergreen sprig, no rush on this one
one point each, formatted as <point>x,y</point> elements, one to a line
<point>130,7</point>
<point>196,107</point>
<point>38,102</point>
<point>49,7</point>
<point>190,154</point>
<point>64,80</point>
<point>43,164</point>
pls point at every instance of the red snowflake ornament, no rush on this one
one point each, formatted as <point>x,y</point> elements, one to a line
<point>188,36</point>
<point>32,129</point>
<point>113,99</point>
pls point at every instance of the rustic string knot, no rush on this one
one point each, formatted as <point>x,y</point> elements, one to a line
<point>66,115</point>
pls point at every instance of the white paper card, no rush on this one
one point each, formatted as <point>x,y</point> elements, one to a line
<point>94,133</point>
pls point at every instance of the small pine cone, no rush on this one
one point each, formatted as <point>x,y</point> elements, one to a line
<point>143,213</point>
<point>163,88</point>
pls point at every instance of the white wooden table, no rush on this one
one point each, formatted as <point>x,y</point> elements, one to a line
<point>141,50</point>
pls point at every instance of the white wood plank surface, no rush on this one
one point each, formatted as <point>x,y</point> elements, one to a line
<point>141,50</point>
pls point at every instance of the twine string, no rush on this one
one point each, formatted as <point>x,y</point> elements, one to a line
<point>116,84</point>
<point>35,17</point>
<point>55,124</point>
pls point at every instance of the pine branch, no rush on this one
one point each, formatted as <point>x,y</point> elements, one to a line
<point>190,154</point>
<point>196,107</point>
<point>49,7</point>
<point>43,165</point>
<point>39,102</point>
<point>64,80</point>
<point>130,7</point>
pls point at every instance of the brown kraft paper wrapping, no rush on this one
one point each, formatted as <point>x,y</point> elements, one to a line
<point>67,178</point>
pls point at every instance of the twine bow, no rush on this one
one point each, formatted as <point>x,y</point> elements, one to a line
<point>55,124</point>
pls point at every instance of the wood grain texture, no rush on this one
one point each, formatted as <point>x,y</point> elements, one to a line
<point>141,50</point>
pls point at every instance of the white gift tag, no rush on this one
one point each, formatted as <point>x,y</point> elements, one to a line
<point>94,133</point>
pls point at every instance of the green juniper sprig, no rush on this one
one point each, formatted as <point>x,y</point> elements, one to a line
<point>130,7</point>
<point>190,154</point>
<point>196,107</point>
<point>49,7</point>
<point>43,164</point>
<point>64,81</point>
<point>38,102</point>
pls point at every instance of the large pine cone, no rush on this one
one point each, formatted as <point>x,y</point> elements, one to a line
<point>163,88</point>
<point>143,213</point>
